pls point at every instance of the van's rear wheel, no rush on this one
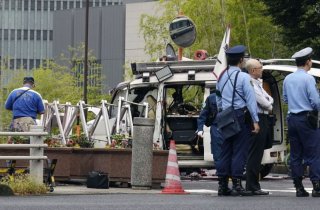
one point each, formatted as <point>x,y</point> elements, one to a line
<point>265,170</point>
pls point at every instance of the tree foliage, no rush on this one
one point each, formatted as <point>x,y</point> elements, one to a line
<point>61,81</point>
<point>300,22</point>
<point>249,26</point>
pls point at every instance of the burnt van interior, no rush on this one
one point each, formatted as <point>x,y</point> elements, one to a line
<point>182,106</point>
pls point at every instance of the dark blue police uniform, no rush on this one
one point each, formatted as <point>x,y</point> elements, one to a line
<point>235,149</point>
<point>210,108</point>
<point>302,97</point>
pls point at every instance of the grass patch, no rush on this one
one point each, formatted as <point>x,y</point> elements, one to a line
<point>23,184</point>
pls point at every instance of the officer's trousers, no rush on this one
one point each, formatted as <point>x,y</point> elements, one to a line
<point>304,146</point>
<point>216,142</point>
<point>234,151</point>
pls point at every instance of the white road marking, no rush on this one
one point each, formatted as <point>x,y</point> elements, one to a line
<point>205,191</point>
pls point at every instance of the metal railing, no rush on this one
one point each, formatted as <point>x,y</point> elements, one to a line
<point>36,147</point>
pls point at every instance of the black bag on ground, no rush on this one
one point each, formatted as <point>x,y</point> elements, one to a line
<point>228,123</point>
<point>98,180</point>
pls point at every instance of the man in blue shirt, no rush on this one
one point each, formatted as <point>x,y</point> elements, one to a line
<point>235,148</point>
<point>210,110</point>
<point>301,95</point>
<point>25,104</point>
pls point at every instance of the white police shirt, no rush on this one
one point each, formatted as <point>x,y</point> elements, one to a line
<point>300,92</point>
<point>264,100</point>
<point>243,87</point>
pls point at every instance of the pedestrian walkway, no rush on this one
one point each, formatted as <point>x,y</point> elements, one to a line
<point>72,189</point>
<point>83,190</point>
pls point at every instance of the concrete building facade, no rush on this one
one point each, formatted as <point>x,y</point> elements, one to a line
<point>33,31</point>
<point>26,28</point>
<point>106,38</point>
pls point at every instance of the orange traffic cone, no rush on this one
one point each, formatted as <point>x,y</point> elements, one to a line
<point>173,182</point>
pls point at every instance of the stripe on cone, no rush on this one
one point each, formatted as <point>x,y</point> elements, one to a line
<point>173,182</point>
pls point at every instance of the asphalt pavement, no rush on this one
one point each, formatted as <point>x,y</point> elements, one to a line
<point>81,189</point>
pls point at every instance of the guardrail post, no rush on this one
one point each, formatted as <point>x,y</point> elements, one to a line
<point>36,166</point>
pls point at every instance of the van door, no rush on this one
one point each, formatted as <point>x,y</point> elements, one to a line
<point>182,105</point>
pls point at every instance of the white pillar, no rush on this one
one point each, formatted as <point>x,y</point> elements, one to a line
<point>36,166</point>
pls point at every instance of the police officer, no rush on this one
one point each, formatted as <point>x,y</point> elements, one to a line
<point>302,97</point>
<point>262,140</point>
<point>25,104</point>
<point>234,149</point>
<point>209,111</point>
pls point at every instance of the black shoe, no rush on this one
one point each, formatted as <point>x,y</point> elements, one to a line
<point>315,193</point>
<point>302,193</point>
<point>224,192</point>
<point>241,192</point>
<point>260,192</point>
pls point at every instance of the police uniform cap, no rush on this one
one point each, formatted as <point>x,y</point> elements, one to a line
<point>28,80</point>
<point>303,54</point>
<point>236,51</point>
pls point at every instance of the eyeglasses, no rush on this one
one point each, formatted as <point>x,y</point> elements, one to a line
<point>260,67</point>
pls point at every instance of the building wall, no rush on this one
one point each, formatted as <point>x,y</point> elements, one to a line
<point>134,40</point>
<point>26,28</point>
<point>27,35</point>
<point>106,38</point>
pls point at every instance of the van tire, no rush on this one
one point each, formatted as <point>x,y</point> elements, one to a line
<point>265,169</point>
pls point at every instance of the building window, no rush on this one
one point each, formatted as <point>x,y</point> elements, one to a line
<point>45,35</point>
<point>38,35</point>
<point>58,5</point>
<point>26,5</point>
<point>19,5</point>
<point>78,4</point>
<point>50,35</point>
<point>38,5</point>
<point>31,64</point>
<point>11,63</point>
<point>31,34</point>
<point>19,31</point>
<point>6,4</point>
<point>25,63</point>
<point>5,34</point>
<point>45,6</point>
<point>25,34</point>
<point>0,35</point>
<point>12,34</point>
<point>13,5</point>
<point>33,5</point>
<point>65,5</point>
<point>18,63</point>
<point>103,3</point>
<point>97,3</point>
<point>37,63</point>
<point>51,5</point>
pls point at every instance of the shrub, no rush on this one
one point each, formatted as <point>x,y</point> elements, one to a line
<point>23,184</point>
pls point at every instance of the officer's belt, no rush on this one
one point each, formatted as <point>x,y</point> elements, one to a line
<point>300,113</point>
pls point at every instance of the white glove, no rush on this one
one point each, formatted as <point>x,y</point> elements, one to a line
<point>200,134</point>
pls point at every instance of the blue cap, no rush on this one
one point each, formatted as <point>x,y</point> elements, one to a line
<point>303,54</point>
<point>28,80</point>
<point>236,50</point>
